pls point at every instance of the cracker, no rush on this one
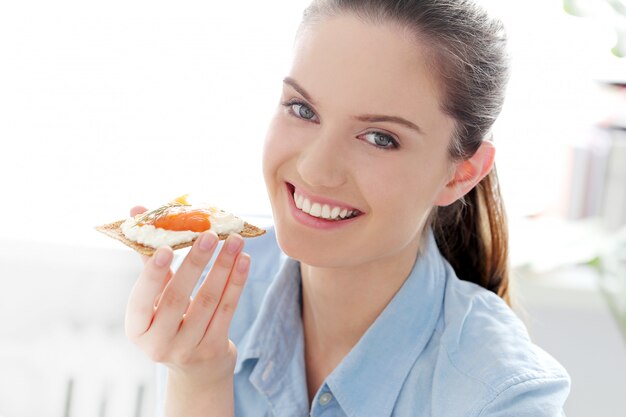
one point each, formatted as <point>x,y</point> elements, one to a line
<point>113,230</point>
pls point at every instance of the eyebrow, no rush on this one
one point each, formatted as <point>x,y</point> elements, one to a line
<point>372,118</point>
<point>290,81</point>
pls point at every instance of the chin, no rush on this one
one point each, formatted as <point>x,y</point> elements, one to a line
<point>313,252</point>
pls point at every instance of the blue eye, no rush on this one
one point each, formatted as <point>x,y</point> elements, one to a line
<point>299,109</point>
<point>381,140</point>
<point>305,112</point>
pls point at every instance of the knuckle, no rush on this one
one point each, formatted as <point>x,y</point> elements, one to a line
<point>198,260</point>
<point>173,298</point>
<point>238,281</point>
<point>207,299</point>
<point>228,308</point>
<point>224,261</point>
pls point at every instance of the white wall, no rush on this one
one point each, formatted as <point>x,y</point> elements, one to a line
<point>108,105</point>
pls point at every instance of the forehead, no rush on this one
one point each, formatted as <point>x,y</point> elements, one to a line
<point>381,66</point>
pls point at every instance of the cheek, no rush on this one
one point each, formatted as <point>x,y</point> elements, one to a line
<point>284,142</point>
<point>407,191</point>
<point>409,182</point>
<point>274,149</point>
<point>401,212</point>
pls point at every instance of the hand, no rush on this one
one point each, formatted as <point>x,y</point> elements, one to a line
<point>189,336</point>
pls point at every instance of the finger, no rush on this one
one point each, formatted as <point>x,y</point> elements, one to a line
<point>137,210</point>
<point>175,298</point>
<point>146,290</point>
<point>210,293</point>
<point>220,323</point>
<point>133,212</point>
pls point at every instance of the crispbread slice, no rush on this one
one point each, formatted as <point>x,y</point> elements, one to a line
<point>113,230</point>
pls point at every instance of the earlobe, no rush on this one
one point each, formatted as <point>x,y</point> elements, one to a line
<point>467,174</point>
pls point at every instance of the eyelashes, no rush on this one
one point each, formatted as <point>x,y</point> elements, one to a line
<point>301,110</point>
<point>381,140</point>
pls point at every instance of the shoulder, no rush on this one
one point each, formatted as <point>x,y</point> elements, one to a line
<point>486,344</point>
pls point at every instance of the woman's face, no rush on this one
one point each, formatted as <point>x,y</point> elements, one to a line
<point>360,129</point>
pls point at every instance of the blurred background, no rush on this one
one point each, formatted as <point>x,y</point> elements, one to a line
<point>106,105</point>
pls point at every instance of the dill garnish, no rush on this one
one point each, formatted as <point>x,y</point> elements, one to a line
<point>152,216</point>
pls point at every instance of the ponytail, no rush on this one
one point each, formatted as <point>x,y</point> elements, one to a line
<point>472,234</point>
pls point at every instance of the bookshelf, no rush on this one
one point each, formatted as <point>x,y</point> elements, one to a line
<point>596,185</point>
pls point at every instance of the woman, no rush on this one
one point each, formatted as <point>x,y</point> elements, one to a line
<point>383,289</point>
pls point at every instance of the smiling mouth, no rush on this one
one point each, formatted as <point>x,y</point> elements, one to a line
<point>321,210</point>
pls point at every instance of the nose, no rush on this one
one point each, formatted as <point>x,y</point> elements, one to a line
<point>320,163</point>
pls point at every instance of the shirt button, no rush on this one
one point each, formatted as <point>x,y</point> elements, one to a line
<point>325,398</point>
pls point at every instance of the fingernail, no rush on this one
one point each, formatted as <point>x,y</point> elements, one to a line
<point>162,257</point>
<point>243,263</point>
<point>232,245</point>
<point>207,241</point>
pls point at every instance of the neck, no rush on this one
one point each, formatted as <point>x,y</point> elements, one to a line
<point>340,304</point>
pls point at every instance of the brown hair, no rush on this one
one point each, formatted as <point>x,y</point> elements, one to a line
<point>468,53</point>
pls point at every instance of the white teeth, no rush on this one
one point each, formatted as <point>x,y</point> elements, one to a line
<point>299,201</point>
<point>316,210</point>
<point>324,211</point>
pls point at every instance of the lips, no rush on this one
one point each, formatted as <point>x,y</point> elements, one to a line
<point>321,208</point>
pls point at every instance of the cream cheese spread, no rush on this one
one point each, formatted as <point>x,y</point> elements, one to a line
<point>148,235</point>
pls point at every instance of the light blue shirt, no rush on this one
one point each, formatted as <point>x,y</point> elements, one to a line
<point>442,347</point>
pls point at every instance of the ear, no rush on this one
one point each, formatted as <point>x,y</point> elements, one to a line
<point>467,174</point>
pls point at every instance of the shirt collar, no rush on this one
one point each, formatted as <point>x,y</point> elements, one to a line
<point>276,339</point>
<point>278,316</point>
<point>389,347</point>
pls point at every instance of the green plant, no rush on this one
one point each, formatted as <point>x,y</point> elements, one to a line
<point>611,12</point>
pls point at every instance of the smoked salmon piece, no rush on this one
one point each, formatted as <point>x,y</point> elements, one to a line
<point>178,219</point>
